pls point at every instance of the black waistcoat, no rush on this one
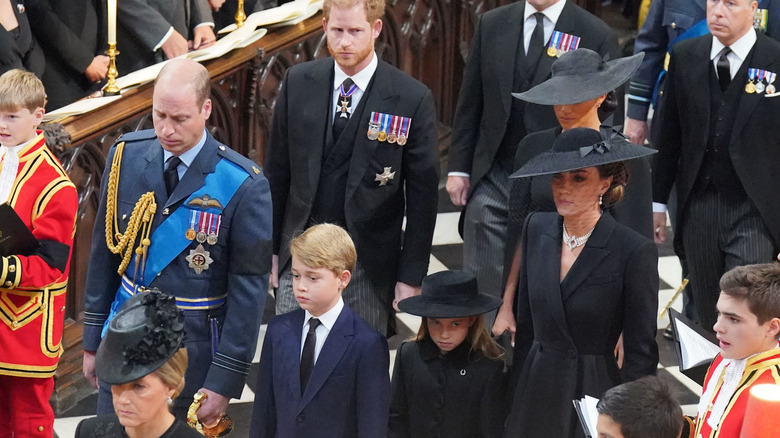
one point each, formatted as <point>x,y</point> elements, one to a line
<point>329,203</point>
<point>717,168</point>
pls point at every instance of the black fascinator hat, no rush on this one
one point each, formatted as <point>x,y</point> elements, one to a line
<point>146,332</point>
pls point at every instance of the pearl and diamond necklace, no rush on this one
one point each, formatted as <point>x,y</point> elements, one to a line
<point>573,241</point>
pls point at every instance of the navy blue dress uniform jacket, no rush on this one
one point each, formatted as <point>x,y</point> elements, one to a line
<point>374,213</point>
<point>348,394</point>
<point>485,98</point>
<point>240,268</point>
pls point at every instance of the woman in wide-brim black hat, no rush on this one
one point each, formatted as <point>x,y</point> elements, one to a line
<point>582,92</point>
<point>449,380</point>
<point>144,361</point>
<point>584,280</point>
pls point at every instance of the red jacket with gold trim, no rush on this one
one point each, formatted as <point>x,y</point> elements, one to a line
<point>761,368</point>
<point>32,287</point>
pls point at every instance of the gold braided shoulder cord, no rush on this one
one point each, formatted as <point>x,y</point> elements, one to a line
<point>140,220</point>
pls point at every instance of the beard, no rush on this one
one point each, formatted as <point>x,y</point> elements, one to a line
<point>355,58</point>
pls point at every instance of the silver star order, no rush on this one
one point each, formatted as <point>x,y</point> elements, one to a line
<point>385,176</point>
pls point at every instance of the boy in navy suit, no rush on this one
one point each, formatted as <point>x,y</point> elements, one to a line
<point>323,370</point>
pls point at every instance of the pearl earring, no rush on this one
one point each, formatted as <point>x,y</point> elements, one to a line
<point>170,401</point>
<point>600,199</point>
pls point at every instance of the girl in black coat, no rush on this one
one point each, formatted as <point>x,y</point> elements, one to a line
<point>448,381</point>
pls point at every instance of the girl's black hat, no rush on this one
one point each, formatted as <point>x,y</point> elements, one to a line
<point>449,294</point>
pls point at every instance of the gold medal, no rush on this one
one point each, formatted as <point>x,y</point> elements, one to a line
<point>750,88</point>
<point>382,136</point>
<point>552,52</point>
<point>190,234</point>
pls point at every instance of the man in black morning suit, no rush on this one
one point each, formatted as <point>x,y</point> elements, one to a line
<point>365,183</point>
<point>489,123</point>
<point>716,145</point>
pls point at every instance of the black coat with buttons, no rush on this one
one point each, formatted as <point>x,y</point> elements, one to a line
<point>458,394</point>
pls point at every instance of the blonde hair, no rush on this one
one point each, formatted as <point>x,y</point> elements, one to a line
<point>325,246</point>
<point>21,89</point>
<point>478,337</point>
<point>172,372</point>
<point>375,9</point>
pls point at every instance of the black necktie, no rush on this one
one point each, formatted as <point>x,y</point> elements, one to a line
<point>307,357</point>
<point>171,174</point>
<point>536,44</point>
<point>724,69</point>
<point>343,108</point>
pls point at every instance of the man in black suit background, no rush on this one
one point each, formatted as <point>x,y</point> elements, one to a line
<point>713,144</point>
<point>354,142</point>
<point>73,36</point>
<point>508,54</point>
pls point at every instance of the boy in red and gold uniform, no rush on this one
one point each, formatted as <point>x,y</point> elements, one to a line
<point>32,286</point>
<point>747,328</point>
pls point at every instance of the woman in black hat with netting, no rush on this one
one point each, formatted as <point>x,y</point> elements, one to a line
<point>584,280</point>
<point>143,359</point>
<point>581,91</point>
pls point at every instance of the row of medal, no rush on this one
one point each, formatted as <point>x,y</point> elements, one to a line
<point>756,79</point>
<point>561,43</point>
<point>204,227</point>
<point>389,128</point>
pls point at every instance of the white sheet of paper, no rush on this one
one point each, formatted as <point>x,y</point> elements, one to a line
<point>695,348</point>
<point>79,107</point>
<point>592,416</point>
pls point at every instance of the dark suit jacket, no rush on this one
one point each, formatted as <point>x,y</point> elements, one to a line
<point>485,98</point>
<point>567,330</point>
<point>22,52</point>
<point>348,394</point>
<point>241,260</point>
<point>71,33</point>
<point>666,20</point>
<point>141,24</point>
<point>374,213</point>
<point>685,127</point>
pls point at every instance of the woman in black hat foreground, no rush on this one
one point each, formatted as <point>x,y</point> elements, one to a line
<point>449,381</point>
<point>143,359</point>
<point>584,279</point>
<point>581,91</point>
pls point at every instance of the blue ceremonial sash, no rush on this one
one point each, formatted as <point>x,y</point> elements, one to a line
<point>694,31</point>
<point>169,239</point>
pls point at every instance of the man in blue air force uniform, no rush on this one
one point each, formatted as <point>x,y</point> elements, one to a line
<point>208,241</point>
